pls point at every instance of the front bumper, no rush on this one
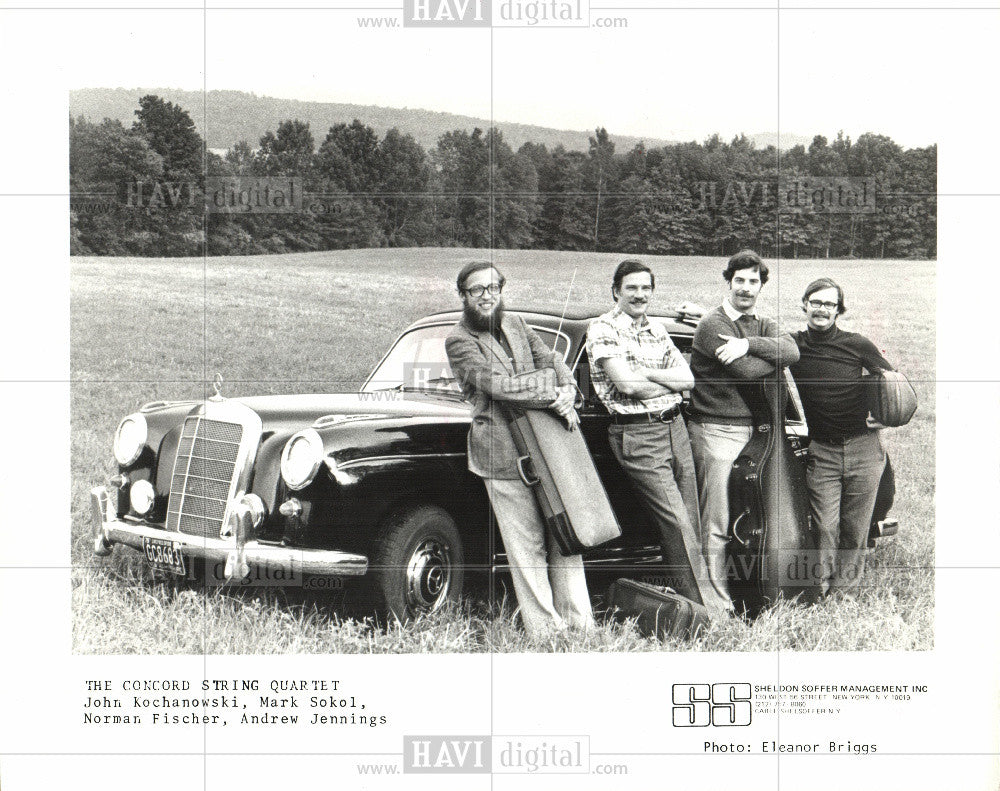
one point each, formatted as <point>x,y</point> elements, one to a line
<point>238,557</point>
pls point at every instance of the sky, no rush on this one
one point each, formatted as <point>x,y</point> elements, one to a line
<point>678,75</point>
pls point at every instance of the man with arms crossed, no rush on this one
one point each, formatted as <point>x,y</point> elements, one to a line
<point>486,349</point>
<point>846,457</point>
<point>639,375</point>
<point>731,345</point>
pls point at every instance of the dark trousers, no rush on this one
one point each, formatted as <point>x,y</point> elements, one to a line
<point>657,459</point>
<point>843,479</point>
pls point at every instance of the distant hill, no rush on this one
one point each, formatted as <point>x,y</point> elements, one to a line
<point>765,139</point>
<point>234,115</point>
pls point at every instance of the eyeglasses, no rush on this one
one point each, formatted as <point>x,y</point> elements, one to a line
<point>476,292</point>
<point>815,304</point>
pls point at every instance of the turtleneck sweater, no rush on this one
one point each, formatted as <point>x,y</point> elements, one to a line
<point>828,375</point>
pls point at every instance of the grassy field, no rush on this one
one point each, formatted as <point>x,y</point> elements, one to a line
<point>145,329</point>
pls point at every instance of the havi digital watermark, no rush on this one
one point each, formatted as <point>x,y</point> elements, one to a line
<point>792,195</point>
<point>526,754</point>
<point>496,13</point>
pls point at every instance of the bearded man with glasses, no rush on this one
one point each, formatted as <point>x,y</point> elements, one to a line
<point>488,349</point>
<point>846,456</point>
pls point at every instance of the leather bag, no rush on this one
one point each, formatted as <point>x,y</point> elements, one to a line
<point>659,612</point>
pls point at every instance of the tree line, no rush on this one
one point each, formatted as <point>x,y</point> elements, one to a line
<point>133,193</point>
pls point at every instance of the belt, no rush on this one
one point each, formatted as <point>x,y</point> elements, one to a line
<point>665,416</point>
<point>840,439</point>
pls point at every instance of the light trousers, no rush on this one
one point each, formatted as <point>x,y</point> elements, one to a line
<point>551,589</point>
<point>715,447</point>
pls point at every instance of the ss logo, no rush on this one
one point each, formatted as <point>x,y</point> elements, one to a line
<point>700,705</point>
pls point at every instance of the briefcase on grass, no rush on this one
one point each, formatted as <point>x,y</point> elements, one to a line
<point>555,462</point>
<point>659,612</point>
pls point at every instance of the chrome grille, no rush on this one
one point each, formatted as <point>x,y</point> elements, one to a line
<point>207,455</point>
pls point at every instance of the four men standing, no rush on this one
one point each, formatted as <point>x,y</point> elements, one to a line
<point>639,375</point>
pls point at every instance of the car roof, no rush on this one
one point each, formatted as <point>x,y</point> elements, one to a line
<point>576,319</point>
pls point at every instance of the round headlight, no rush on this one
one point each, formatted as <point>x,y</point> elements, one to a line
<point>301,458</point>
<point>141,496</point>
<point>130,439</point>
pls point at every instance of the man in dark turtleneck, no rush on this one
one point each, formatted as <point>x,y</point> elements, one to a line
<point>846,457</point>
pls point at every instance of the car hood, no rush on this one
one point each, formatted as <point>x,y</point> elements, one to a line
<point>279,412</point>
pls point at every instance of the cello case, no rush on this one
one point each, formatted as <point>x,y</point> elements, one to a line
<point>770,545</point>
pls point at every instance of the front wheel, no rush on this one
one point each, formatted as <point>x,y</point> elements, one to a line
<point>418,564</point>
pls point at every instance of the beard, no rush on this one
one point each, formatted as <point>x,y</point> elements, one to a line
<point>482,323</point>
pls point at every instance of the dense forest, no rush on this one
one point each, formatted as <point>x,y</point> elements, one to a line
<point>138,190</point>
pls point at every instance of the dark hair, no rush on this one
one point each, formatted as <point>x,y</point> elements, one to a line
<point>819,285</point>
<point>629,267</point>
<point>745,259</point>
<point>476,266</point>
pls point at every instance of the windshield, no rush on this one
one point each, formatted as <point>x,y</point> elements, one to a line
<point>418,360</point>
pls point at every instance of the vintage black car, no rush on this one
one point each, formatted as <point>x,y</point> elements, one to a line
<point>370,485</point>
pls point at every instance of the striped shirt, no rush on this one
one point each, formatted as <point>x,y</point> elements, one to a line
<point>643,345</point>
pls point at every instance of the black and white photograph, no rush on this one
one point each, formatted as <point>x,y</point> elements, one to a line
<point>502,387</point>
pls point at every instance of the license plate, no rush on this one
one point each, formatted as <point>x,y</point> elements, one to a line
<point>163,554</point>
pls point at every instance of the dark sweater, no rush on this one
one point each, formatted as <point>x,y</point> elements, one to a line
<point>828,376</point>
<point>715,398</point>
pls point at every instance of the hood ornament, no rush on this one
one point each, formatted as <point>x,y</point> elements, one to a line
<point>217,387</point>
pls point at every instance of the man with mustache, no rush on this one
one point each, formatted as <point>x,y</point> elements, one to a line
<point>639,375</point>
<point>732,344</point>
<point>487,349</point>
<point>846,456</point>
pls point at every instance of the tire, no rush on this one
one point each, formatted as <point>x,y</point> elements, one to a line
<point>418,563</point>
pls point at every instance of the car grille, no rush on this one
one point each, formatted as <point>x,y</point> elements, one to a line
<point>206,463</point>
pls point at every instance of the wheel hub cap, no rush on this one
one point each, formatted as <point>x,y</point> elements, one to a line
<point>428,575</point>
